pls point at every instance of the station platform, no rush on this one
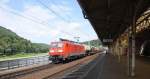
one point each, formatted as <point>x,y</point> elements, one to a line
<point>107,66</point>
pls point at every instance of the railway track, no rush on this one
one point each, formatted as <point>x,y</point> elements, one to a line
<point>46,71</point>
<point>18,73</point>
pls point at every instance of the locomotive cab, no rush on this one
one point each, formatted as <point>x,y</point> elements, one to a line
<point>56,48</point>
<point>56,51</point>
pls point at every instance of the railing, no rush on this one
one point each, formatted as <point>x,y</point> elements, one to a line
<point>11,64</point>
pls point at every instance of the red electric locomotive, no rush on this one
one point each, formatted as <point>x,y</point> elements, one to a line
<point>65,50</point>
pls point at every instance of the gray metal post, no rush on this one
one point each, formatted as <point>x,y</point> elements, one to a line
<point>133,46</point>
<point>128,55</point>
<point>26,62</point>
<point>38,59</point>
<point>131,52</point>
<point>130,58</point>
<point>18,63</point>
<point>33,61</point>
<point>8,64</point>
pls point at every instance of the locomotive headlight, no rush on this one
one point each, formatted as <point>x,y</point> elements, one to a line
<point>60,50</point>
<point>51,50</point>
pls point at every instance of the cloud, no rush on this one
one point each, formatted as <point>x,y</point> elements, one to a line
<point>4,1</point>
<point>75,29</point>
<point>39,25</point>
<point>27,28</point>
<point>38,13</point>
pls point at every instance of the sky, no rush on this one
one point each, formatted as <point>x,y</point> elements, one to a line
<point>45,21</point>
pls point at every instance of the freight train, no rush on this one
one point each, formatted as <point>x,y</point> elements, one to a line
<point>66,50</point>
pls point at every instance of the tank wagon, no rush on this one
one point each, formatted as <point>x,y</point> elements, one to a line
<point>87,49</point>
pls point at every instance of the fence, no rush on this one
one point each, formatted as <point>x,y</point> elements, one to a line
<point>11,64</point>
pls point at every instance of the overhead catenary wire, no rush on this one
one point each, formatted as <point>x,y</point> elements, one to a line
<point>34,19</point>
<point>60,8</point>
<point>57,13</point>
<point>29,18</point>
<point>51,10</point>
<point>15,13</point>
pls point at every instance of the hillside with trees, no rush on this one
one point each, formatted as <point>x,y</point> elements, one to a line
<point>11,43</point>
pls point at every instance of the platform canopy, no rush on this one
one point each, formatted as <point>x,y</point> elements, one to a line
<point>110,18</point>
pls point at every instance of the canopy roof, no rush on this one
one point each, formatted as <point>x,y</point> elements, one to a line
<point>110,18</point>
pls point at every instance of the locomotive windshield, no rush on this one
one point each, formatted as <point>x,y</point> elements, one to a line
<point>56,45</point>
